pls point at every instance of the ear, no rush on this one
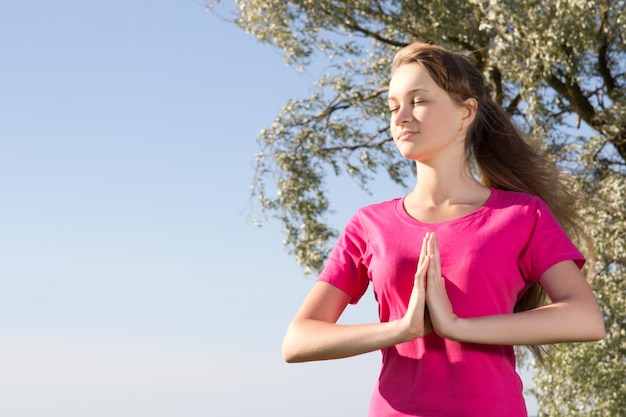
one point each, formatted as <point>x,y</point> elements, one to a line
<point>468,111</point>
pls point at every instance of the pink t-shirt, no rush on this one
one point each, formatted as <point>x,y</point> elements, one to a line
<point>488,259</point>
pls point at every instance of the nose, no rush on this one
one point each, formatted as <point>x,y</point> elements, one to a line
<point>403,115</point>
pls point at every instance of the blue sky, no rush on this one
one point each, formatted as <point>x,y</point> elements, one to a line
<point>133,283</point>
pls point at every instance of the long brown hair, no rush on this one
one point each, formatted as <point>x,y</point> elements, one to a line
<point>505,159</point>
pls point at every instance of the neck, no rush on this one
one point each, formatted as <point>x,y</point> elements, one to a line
<point>446,183</point>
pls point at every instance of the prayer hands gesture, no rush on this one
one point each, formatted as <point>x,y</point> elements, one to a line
<point>429,306</point>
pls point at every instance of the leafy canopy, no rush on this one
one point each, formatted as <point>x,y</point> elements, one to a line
<point>557,66</point>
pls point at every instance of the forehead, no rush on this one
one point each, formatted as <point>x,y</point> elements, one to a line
<point>409,78</point>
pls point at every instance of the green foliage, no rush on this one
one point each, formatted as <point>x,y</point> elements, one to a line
<point>558,67</point>
<point>589,379</point>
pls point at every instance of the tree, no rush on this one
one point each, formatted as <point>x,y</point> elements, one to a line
<point>558,67</point>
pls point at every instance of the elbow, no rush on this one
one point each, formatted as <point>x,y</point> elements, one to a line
<point>594,327</point>
<point>297,347</point>
<point>599,331</point>
<point>290,348</point>
<point>289,355</point>
<point>290,358</point>
<point>292,355</point>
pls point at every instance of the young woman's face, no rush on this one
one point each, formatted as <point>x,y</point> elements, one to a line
<point>425,122</point>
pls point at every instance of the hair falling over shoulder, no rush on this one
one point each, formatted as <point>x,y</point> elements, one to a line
<point>504,157</point>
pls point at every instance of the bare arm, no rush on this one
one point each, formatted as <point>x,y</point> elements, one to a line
<point>573,316</point>
<point>315,335</point>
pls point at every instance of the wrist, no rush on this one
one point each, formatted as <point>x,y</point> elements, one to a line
<point>451,329</point>
<point>401,331</point>
<point>405,331</point>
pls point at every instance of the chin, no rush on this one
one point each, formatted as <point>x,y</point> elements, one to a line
<point>411,154</point>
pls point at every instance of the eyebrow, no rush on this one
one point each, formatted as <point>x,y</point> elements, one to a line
<point>415,90</point>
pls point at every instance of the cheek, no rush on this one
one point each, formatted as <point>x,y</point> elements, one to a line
<point>443,119</point>
<point>438,114</point>
<point>393,127</point>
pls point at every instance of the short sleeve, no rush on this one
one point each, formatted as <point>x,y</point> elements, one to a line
<point>345,268</point>
<point>548,244</point>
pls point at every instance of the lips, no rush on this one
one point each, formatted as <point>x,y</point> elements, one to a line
<point>406,135</point>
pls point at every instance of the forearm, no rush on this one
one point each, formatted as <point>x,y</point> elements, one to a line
<point>311,340</point>
<point>554,323</point>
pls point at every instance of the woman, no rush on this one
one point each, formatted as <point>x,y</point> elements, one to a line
<point>455,262</point>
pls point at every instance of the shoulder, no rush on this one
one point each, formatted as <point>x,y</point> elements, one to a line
<point>514,197</point>
<point>518,210</point>
<point>374,216</point>
<point>517,201</point>
<point>383,207</point>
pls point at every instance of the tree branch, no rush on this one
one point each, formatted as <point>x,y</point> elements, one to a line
<point>370,144</point>
<point>579,102</point>
<point>354,26</point>
<point>603,59</point>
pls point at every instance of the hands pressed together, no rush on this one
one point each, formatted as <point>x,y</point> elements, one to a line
<point>573,315</point>
<point>429,306</point>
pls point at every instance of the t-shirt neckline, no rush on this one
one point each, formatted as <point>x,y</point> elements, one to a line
<point>406,217</point>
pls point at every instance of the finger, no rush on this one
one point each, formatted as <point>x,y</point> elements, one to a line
<point>432,266</point>
<point>437,257</point>
<point>423,249</point>
<point>434,282</point>
<point>432,290</point>
<point>422,268</point>
<point>434,244</point>
<point>430,236</point>
<point>418,294</point>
